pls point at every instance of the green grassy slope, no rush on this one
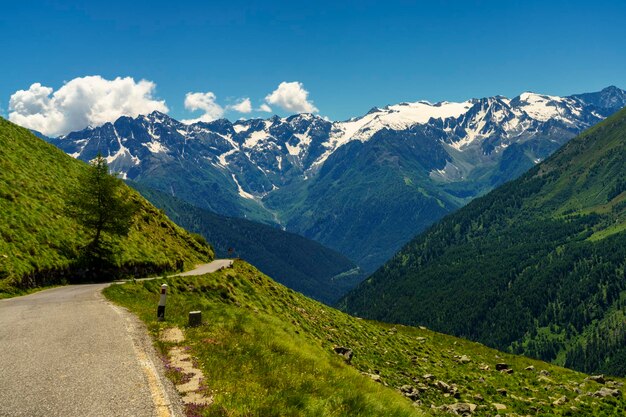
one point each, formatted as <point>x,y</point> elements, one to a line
<point>266,350</point>
<point>299,263</point>
<point>38,242</point>
<point>535,267</point>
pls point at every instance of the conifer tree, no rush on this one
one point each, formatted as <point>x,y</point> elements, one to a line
<point>100,204</point>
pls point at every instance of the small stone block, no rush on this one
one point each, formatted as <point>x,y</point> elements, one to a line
<point>195,318</point>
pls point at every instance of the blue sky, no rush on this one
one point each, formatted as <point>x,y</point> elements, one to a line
<point>349,56</point>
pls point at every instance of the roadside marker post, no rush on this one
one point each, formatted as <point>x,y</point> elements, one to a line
<point>161,308</point>
<point>195,318</point>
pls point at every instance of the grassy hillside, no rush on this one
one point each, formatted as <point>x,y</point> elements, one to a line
<point>39,243</point>
<point>535,267</point>
<point>266,350</point>
<point>299,263</point>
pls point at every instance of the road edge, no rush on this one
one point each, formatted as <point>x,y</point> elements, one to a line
<point>165,398</point>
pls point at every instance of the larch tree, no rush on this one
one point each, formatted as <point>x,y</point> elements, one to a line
<point>102,206</point>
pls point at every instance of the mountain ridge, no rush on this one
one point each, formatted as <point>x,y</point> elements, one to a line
<point>535,267</point>
<point>272,170</point>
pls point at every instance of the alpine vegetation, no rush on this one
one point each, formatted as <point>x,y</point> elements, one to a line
<point>269,351</point>
<point>44,236</point>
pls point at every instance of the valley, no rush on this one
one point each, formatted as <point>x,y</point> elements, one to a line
<point>312,209</point>
<point>535,267</point>
<point>362,187</point>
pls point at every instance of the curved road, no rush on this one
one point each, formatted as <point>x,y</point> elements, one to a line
<point>68,352</point>
<point>208,268</point>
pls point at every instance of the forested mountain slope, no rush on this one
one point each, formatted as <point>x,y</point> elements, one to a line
<point>297,262</point>
<point>537,266</point>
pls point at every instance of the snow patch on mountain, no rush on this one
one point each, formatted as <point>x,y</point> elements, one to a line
<point>254,138</point>
<point>241,191</point>
<point>396,117</point>
<point>222,158</point>
<point>238,128</point>
<point>543,107</point>
<point>156,147</point>
<point>122,151</point>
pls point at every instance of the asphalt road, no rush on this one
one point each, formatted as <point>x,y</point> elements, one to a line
<point>69,352</point>
<point>208,268</point>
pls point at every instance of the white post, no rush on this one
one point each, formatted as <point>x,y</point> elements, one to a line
<point>161,309</point>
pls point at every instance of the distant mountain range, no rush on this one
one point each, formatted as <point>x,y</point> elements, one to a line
<point>364,186</point>
<point>537,266</point>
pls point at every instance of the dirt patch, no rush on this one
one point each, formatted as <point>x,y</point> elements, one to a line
<point>172,335</point>
<point>181,360</point>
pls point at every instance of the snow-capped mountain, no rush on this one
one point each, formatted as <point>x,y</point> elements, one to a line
<point>282,169</point>
<point>260,155</point>
<point>263,155</point>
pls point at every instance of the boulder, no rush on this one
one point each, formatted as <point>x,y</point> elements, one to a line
<point>374,377</point>
<point>345,352</point>
<point>443,386</point>
<point>499,407</point>
<point>607,392</point>
<point>422,387</point>
<point>464,359</point>
<point>502,366</point>
<point>410,392</point>
<point>596,378</point>
<point>529,368</point>
<point>461,408</point>
<point>560,401</point>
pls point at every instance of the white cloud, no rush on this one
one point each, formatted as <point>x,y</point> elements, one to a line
<point>81,102</point>
<point>244,106</point>
<point>206,103</point>
<point>291,96</point>
<point>265,108</point>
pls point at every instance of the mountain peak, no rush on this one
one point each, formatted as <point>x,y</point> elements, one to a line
<point>611,88</point>
<point>531,96</point>
<point>157,116</point>
<point>608,99</point>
